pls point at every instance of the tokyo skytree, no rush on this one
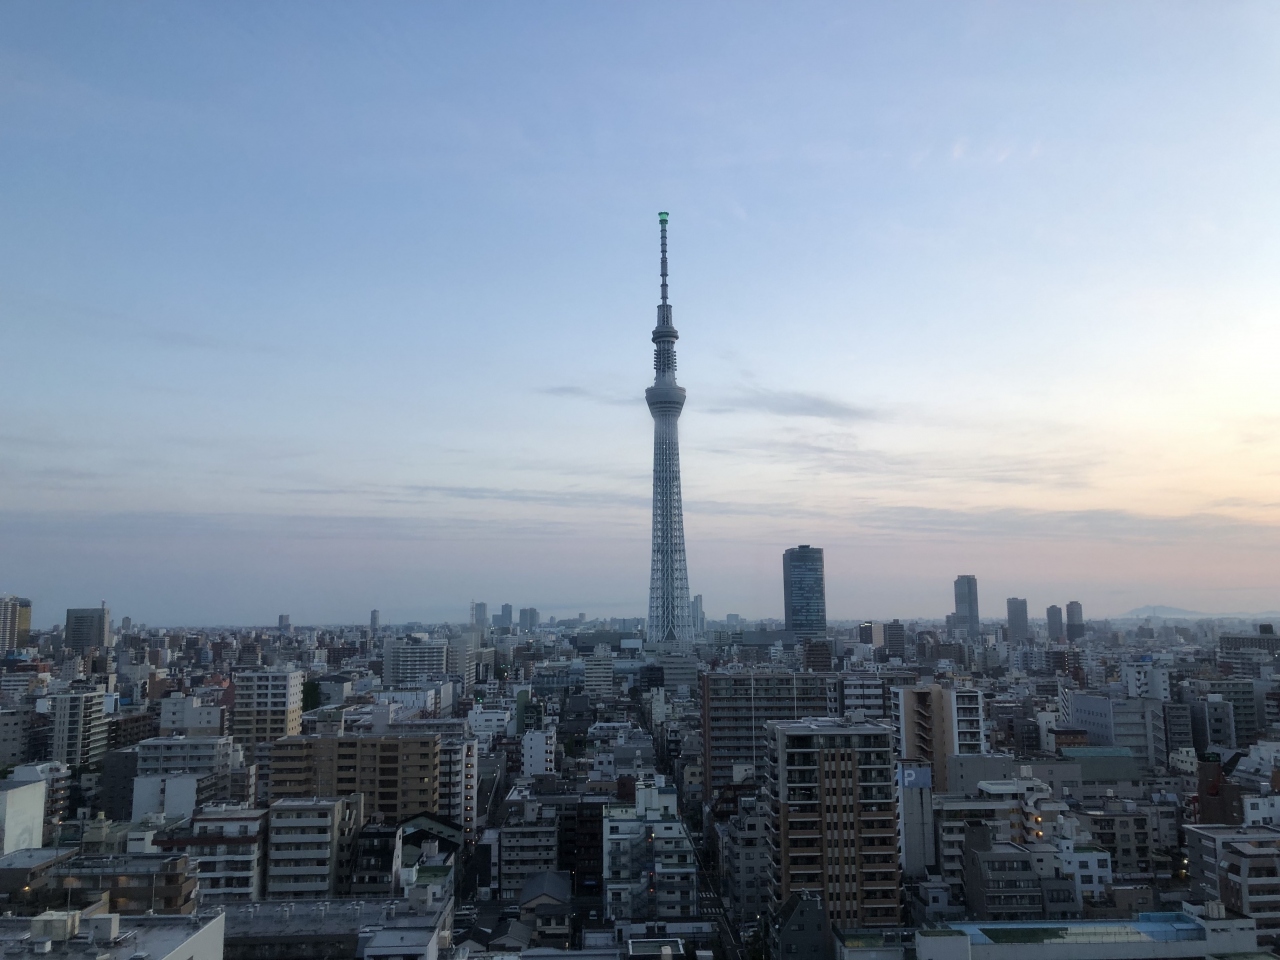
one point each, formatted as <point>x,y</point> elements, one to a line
<point>670,623</point>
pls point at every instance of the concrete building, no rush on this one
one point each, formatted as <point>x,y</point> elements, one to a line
<point>191,717</point>
<point>1008,881</point>
<point>63,934</point>
<point>268,705</point>
<point>1137,725</point>
<point>15,736</point>
<point>1249,883</point>
<point>87,628</point>
<point>1146,680</point>
<point>932,722</point>
<point>312,846</point>
<point>78,736</point>
<point>528,843</point>
<point>538,752</point>
<point>15,622</point>
<point>406,660</point>
<point>1205,846</point>
<point>57,786</point>
<point>1240,693</point>
<point>832,818</point>
<point>228,844</point>
<point>22,808</point>
<point>598,680</point>
<point>650,865</point>
<point>801,929</point>
<point>1193,934</point>
<point>737,705</point>
<point>398,775</point>
<point>745,863</point>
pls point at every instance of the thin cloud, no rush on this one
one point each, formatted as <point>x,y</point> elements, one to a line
<point>582,393</point>
<point>795,403</point>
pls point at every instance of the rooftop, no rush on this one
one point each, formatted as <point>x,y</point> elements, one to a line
<point>1148,928</point>
<point>324,918</point>
<point>156,936</point>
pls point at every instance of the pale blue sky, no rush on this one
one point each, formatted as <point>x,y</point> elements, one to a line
<point>312,308</point>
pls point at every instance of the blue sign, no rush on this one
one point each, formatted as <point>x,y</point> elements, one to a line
<point>915,777</point>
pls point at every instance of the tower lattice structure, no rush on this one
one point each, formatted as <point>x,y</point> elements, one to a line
<point>670,623</point>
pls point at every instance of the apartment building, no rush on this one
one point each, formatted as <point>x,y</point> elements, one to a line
<point>78,736</point>
<point>528,843</point>
<point>736,705</point>
<point>398,775</point>
<point>650,867</point>
<point>1206,843</point>
<point>1249,882</point>
<point>538,752</point>
<point>228,844</point>
<point>406,660</point>
<point>932,722</point>
<point>268,705</point>
<point>832,823</point>
<point>191,717</point>
<point>311,847</point>
<point>744,862</point>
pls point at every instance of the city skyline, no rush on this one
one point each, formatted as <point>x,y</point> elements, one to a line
<point>357,328</point>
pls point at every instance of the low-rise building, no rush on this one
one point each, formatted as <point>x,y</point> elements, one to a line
<point>64,935</point>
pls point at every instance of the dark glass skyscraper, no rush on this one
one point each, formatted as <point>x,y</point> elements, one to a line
<point>967,606</point>
<point>1075,620</point>
<point>804,591</point>
<point>1019,627</point>
<point>1054,615</point>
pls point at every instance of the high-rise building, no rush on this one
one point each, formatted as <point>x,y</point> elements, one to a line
<point>374,623</point>
<point>78,736</point>
<point>87,628</point>
<point>283,624</point>
<point>15,622</point>
<point>479,615</point>
<point>966,618</point>
<point>1075,620</point>
<point>504,619</point>
<point>268,705</point>
<point>833,819</point>
<point>698,615</point>
<point>669,621</point>
<point>932,722</point>
<point>895,639</point>
<point>736,706</point>
<point>1019,626</point>
<point>1054,615</point>
<point>804,593</point>
<point>406,660</point>
<point>399,774</point>
<point>598,679</point>
<point>529,619</point>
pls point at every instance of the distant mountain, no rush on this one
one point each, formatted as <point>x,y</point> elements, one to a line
<point>1168,613</point>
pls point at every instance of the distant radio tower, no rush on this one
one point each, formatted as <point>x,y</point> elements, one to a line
<point>669,620</point>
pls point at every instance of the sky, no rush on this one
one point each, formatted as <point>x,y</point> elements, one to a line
<point>312,308</point>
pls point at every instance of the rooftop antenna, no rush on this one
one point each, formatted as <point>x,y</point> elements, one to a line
<point>662,221</point>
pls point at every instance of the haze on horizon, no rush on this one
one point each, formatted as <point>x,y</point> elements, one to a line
<point>313,308</point>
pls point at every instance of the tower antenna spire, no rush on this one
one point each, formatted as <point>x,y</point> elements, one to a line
<point>662,221</point>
